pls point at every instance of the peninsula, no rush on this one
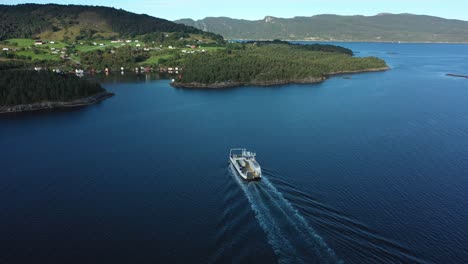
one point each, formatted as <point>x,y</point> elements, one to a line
<point>30,90</point>
<point>271,63</point>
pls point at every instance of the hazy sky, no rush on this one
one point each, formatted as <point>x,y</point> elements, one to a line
<point>251,9</point>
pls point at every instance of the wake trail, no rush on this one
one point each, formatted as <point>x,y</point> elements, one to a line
<point>366,244</point>
<point>288,233</point>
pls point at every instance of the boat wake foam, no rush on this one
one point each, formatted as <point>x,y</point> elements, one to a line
<point>362,244</point>
<point>288,233</point>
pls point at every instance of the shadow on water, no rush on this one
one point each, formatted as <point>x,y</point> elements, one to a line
<point>128,77</point>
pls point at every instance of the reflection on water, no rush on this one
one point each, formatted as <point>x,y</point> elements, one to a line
<point>128,77</point>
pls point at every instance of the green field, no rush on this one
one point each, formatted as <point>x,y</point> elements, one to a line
<point>44,56</point>
<point>154,59</point>
<point>27,43</point>
<point>25,49</point>
<point>45,52</point>
<point>211,48</point>
<point>89,46</point>
<point>21,43</point>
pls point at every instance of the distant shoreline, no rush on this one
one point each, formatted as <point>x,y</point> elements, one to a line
<point>93,99</point>
<point>457,75</point>
<point>220,85</point>
<point>354,41</point>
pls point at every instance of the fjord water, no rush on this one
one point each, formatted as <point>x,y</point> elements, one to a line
<point>367,169</point>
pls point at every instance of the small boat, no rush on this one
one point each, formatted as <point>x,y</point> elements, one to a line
<point>245,164</point>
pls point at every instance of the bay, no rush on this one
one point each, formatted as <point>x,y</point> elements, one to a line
<point>370,168</point>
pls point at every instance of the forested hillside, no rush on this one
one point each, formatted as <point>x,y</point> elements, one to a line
<point>73,22</point>
<point>24,87</point>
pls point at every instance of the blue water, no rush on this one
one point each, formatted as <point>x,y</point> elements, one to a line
<point>371,169</point>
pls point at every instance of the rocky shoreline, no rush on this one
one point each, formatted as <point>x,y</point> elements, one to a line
<point>230,84</point>
<point>50,105</point>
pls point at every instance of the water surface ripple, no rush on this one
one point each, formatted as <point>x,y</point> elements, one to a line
<point>366,169</point>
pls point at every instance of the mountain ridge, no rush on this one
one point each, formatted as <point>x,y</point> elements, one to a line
<point>383,27</point>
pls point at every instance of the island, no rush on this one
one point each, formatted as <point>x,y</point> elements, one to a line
<point>265,63</point>
<point>22,91</point>
<point>457,75</point>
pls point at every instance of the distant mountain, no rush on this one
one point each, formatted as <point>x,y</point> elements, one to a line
<point>71,22</point>
<point>382,27</point>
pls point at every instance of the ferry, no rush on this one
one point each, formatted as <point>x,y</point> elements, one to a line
<point>245,164</point>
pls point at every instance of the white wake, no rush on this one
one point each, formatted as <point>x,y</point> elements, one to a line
<point>289,234</point>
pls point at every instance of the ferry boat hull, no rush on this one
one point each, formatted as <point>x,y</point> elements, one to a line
<point>245,165</point>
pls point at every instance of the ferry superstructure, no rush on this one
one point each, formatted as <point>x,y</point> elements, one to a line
<point>245,164</point>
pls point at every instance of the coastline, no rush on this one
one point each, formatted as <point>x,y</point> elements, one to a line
<point>230,84</point>
<point>93,99</point>
<point>359,71</point>
<point>357,41</point>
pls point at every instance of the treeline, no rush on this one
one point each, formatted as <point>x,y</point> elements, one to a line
<point>14,64</point>
<point>25,87</point>
<point>270,63</point>
<point>311,47</point>
<point>27,20</point>
<point>179,39</point>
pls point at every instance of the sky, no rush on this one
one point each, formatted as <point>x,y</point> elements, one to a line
<point>256,10</point>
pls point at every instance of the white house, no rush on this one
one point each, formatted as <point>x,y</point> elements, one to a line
<point>138,45</point>
<point>52,42</point>
<point>5,49</point>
